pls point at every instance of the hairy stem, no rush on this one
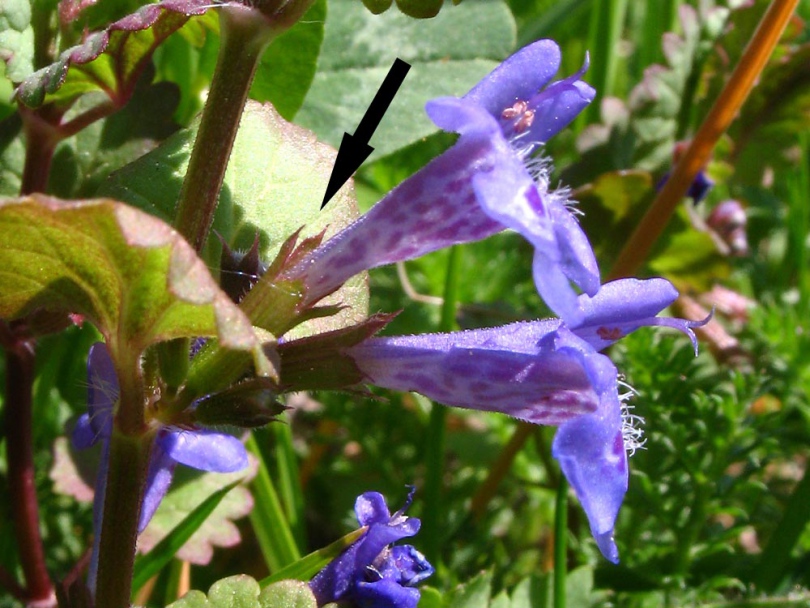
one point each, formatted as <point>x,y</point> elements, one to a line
<point>126,476</point>
<point>697,155</point>
<point>243,40</point>
<point>21,481</point>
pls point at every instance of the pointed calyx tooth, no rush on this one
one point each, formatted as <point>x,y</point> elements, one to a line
<point>239,271</point>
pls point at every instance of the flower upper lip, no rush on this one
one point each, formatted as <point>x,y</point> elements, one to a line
<point>479,187</point>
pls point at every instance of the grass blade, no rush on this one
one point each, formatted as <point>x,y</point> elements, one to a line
<point>153,562</point>
<point>307,567</point>
<point>269,522</point>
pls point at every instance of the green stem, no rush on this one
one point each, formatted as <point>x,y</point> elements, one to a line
<point>560,543</point>
<point>689,534</point>
<point>244,37</point>
<point>126,476</point>
<point>432,519</point>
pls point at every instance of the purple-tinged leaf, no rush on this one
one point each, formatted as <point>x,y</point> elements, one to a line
<point>275,182</point>
<point>126,45</point>
<point>129,273</point>
<point>189,489</point>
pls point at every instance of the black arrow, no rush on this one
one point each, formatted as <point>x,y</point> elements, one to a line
<point>354,149</point>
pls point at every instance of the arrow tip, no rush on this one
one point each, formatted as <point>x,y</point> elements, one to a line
<point>352,153</point>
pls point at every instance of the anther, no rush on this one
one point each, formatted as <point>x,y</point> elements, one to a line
<point>516,110</point>
<point>525,121</point>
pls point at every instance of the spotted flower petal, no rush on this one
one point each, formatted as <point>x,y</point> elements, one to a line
<point>479,187</point>
<point>544,372</point>
<point>622,306</point>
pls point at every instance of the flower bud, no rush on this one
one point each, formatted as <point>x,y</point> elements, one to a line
<point>249,404</point>
<point>728,221</point>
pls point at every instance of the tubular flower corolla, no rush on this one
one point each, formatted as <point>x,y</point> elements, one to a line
<point>371,573</point>
<point>543,372</point>
<point>485,183</point>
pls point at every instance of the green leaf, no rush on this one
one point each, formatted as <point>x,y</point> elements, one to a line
<point>279,525</point>
<point>83,161</point>
<point>533,592</point>
<point>16,39</point>
<point>242,591</point>
<point>579,588</point>
<point>161,554</point>
<point>189,489</point>
<point>309,565</point>
<point>287,67</point>
<point>690,260</point>
<point>111,60</point>
<point>274,184</point>
<point>270,524</point>
<point>287,594</point>
<point>12,155</point>
<point>613,204</point>
<point>431,598</point>
<point>129,273</point>
<point>448,55</point>
<point>472,594</point>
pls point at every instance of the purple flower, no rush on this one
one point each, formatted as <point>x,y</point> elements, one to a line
<point>698,189</point>
<point>196,448</point>
<point>543,372</point>
<point>486,182</point>
<point>728,222</point>
<point>371,573</point>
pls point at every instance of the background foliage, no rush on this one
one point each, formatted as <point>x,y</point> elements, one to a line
<point>717,508</point>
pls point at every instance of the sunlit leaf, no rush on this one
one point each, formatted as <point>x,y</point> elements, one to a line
<point>129,273</point>
<point>274,185</point>
<point>16,39</point>
<point>243,591</point>
<point>448,55</point>
<point>189,489</point>
<point>287,67</point>
<point>164,551</point>
<point>111,60</point>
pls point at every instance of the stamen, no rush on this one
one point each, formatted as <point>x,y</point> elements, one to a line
<point>525,121</point>
<point>517,109</point>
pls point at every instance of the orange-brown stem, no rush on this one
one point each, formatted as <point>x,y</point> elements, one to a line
<point>720,116</point>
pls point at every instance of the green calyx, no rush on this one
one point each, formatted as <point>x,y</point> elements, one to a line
<point>248,404</point>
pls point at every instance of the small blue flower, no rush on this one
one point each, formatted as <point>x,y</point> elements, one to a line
<point>197,448</point>
<point>371,573</point>
<point>486,182</point>
<point>543,372</point>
